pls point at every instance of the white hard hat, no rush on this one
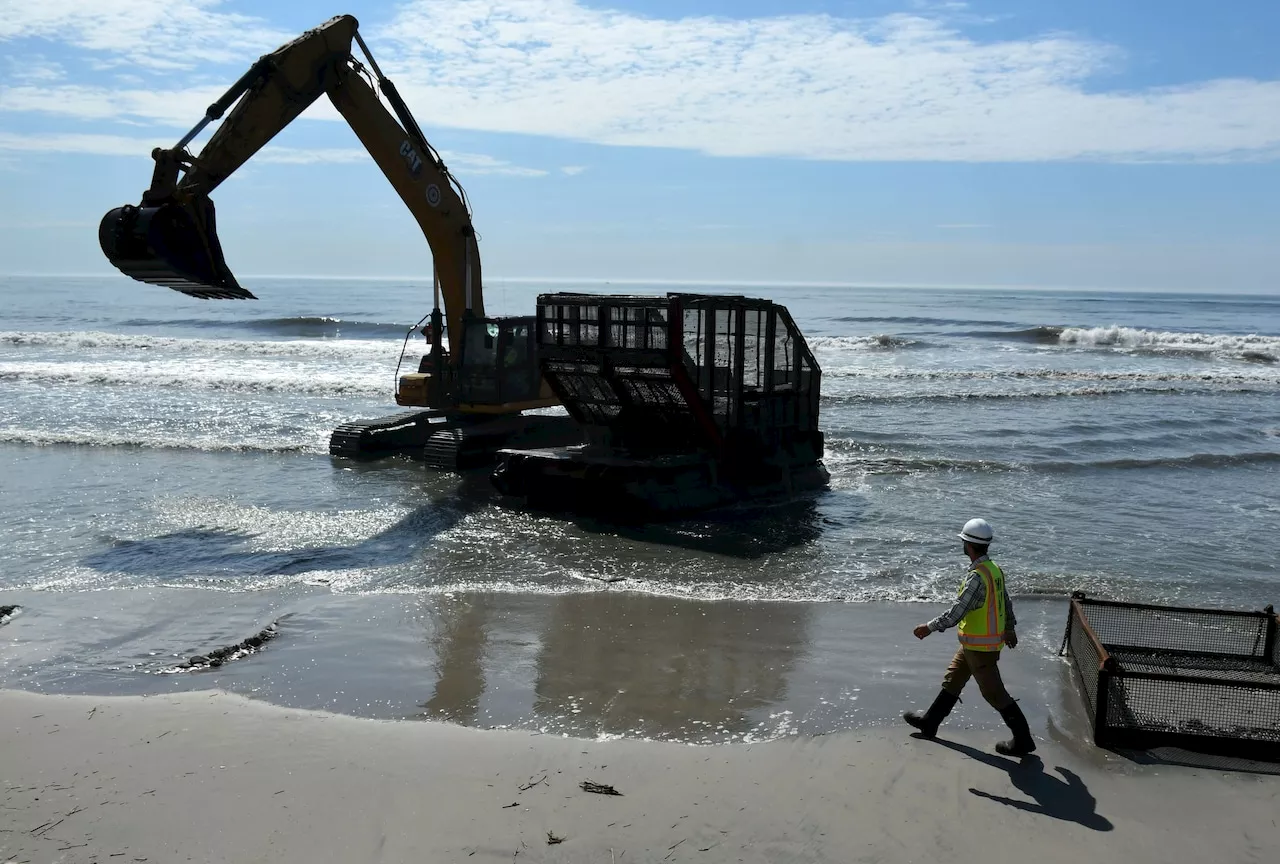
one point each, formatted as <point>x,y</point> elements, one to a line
<point>977,531</point>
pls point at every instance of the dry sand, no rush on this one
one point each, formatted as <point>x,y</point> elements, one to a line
<point>216,777</point>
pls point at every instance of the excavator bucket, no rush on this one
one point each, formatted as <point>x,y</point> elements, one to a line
<point>171,244</point>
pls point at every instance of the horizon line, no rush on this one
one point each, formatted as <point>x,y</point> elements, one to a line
<point>715,283</point>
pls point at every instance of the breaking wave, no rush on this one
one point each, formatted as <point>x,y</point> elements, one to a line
<point>384,349</point>
<point>1253,347</point>
<point>1014,395</point>
<point>1260,375</point>
<point>283,380</point>
<point>881,342</point>
<point>156,441</point>
<point>1038,335</point>
<point>301,326</point>
<point>852,455</point>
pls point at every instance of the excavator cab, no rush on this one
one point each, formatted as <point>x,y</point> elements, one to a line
<point>497,365</point>
<point>499,362</point>
<point>171,244</point>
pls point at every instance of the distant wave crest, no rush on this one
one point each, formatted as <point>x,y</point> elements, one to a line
<point>1253,344</point>
<point>72,438</point>
<point>850,454</point>
<point>99,341</point>
<point>880,342</point>
<point>314,327</point>
<point>1235,376</point>
<point>1253,347</point>
<point>1015,395</point>
<point>1039,335</point>
<point>233,379</point>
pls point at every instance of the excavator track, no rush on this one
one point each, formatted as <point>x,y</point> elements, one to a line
<point>443,449</point>
<point>364,439</point>
<point>463,446</point>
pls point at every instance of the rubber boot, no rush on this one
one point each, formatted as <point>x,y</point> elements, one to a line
<point>1022,742</point>
<point>929,721</point>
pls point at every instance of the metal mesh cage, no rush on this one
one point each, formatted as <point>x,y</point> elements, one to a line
<point>680,372</point>
<point>1166,676</point>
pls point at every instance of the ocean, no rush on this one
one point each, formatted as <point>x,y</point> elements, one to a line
<point>167,490</point>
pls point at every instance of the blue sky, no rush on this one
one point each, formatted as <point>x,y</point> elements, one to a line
<point>1085,144</point>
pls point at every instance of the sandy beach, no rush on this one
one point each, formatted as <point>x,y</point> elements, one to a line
<point>217,777</point>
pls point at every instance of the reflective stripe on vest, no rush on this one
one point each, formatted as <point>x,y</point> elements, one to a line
<point>982,629</point>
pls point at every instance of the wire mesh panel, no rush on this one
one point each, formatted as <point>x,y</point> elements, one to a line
<point>1238,712</point>
<point>1088,655</point>
<point>1161,675</point>
<point>1179,629</point>
<point>682,372</point>
<point>1275,641</point>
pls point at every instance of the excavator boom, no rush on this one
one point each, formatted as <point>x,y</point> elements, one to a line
<point>476,386</point>
<point>171,239</point>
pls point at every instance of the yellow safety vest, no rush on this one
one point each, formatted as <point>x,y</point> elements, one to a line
<point>982,629</point>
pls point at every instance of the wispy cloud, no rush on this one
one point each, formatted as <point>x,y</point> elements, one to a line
<point>962,226</point>
<point>175,108</point>
<point>123,145</point>
<point>901,87</point>
<point>572,170</point>
<point>97,145</point>
<point>478,163</point>
<point>466,164</point>
<point>35,69</point>
<point>162,34</point>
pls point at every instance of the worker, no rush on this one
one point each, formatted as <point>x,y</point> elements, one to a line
<point>986,624</point>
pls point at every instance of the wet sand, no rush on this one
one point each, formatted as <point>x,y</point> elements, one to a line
<point>216,777</point>
<point>601,663</point>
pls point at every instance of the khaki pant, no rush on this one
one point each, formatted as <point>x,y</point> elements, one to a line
<point>980,665</point>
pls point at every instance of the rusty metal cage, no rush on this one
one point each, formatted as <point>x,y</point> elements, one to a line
<point>1156,676</point>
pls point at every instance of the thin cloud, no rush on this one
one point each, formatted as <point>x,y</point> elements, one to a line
<point>122,145</point>
<point>176,108</point>
<point>963,226</point>
<point>902,87</point>
<point>97,145</point>
<point>466,164</point>
<point>35,69</point>
<point>572,170</point>
<point>162,34</point>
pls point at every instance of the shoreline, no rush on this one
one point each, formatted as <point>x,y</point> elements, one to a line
<point>218,777</point>
<point>606,664</point>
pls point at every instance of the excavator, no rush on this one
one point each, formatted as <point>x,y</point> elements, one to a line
<point>671,405</point>
<point>476,387</point>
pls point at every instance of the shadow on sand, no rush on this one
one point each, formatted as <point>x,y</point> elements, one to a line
<point>1067,798</point>
<point>1193,759</point>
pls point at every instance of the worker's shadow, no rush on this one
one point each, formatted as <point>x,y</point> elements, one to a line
<point>1067,799</point>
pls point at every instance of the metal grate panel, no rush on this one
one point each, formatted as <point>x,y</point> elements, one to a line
<point>682,372</point>
<point>1169,676</point>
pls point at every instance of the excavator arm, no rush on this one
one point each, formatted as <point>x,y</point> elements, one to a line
<point>170,238</point>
